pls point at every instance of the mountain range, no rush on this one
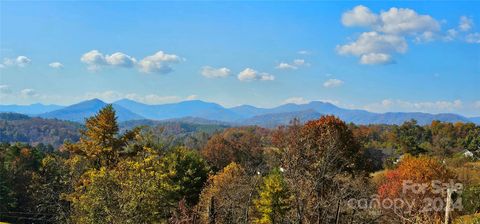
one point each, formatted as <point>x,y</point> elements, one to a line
<point>207,112</point>
<point>31,109</point>
<point>78,112</point>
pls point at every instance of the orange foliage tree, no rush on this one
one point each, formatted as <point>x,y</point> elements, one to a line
<point>240,145</point>
<point>418,184</point>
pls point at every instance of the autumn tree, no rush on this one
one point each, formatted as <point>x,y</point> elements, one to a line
<point>443,138</point>
<point>240,145</point>
<point>319,159</point>
<point>100,141</point>
<point>227,197</point>
<point>272,203</point>
<point>411,172</point>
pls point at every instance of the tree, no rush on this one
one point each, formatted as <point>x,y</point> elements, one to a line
<point>18,162</point>
<point>443,138</point>
<point>470,201</point>
<point>50,184</point>
<point>187,172</point>
<point>272,203</point>
<point>226,198</point>
<point>240,145</point>
<point>145,188</point>
<point>471,141</point>
<point>410,172</point>
<point>99,141</point>
<point>320,159</point>
<point>410,137</point>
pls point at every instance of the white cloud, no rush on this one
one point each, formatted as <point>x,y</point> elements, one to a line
<point>359,16</point>
<point>426,106</point>
<point>157,99</point>
<point>373,42</point>
<point>406,21</point>
<point>211,72</point>
<point>285,66</point>
<point>160,62</point>
<point>476,104</point>
<point>250,74</point>
<point>397,21</point>
<point>56,65</point>
<point>266,77</point>
<point>28,93</point>
<point>425,37</point>
<point>108,95</point>
<point>5,89</point>
<point>331,83</point>
<point>296,100</point>
<point>20,61</point>
<point>376,58</point>
<point>120,59</point>
<point>152,98</point>
<point>387,33</point>
<point>451,34</point>
<point>299,62</point>
<point>292,66</point>
<point>473,38</point>
<point>465,24</point>
<point>192,97</point>
<point>94,60</point>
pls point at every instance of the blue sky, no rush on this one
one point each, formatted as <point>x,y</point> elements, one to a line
<point>379,56</point>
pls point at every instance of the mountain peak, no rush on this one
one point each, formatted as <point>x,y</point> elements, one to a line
<point>94,100</point>
<point>78,112</point>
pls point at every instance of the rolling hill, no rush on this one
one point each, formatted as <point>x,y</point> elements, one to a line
<point>33,130</point>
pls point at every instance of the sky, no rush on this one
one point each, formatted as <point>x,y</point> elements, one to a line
<point>379,56</point>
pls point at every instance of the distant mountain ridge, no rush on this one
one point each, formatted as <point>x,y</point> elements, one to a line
<point>192,108</point>
<point>16,127</point>
<point>277,119</point>
<point>31,109</point>
<point>202,112</point>
<point>78,112</point>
